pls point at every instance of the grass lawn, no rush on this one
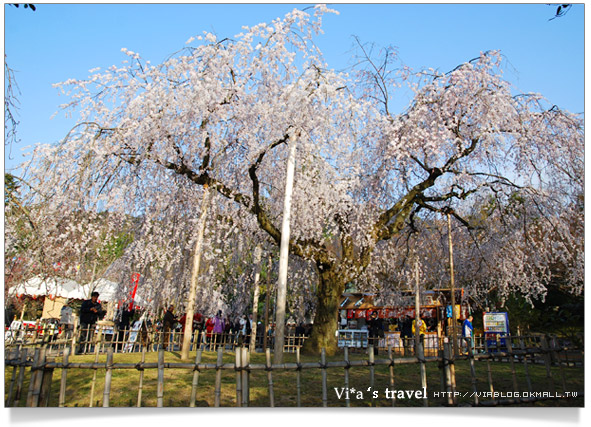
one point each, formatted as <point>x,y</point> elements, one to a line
<point>177,383</point>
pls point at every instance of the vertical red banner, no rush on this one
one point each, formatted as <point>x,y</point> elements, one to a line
<point>135,278</point>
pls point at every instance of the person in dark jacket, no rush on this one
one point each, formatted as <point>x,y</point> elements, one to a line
<point>123,325</point>
<point>406,333</point>
<point>168,323</point>
<point>90,311</point>
<point>376,330</point>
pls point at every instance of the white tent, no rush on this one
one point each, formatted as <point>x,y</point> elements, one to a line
<point>112,291</point>
<point>108,290</point>
<point>50,286</point>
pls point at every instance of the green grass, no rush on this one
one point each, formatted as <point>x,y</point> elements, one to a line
<point>177,383</point>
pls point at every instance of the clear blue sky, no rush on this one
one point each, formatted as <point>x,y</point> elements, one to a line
<point>62,41</point>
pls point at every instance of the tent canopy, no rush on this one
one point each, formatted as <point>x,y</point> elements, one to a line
<point>49,286</point>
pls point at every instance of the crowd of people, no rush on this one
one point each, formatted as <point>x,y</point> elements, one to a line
<point>219,329</point>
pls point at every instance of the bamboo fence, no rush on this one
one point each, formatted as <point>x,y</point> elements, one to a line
<point>546,352</point>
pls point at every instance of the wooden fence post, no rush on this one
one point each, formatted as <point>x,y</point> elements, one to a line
<point>324,386</point>
<point>390,357</point>
<point>66,357</point>
<point>93,384</point>
<point>74,337</point>
<point>525,364</point>
<point>489,371</point>
<point>46,380</point>
<point>372,364</point>
<point>447,371</point>
<point>548,363</point>
<point>21,377</point>
<point>160,387</point>
<point>195,378</point>
<point>269,370</point>
<point>347,367</point>
<point>218,378</point>
<point>553,347</point>
<point>512,363</point>
<point>422,361</point>
<point>245,376</point>
<point>298,378</point>
<point>473,374</point>
<point>35,381</point>
<point>8,400</point>
<point>108,377</point>
<point>141,383</point>
<point>238,367</point>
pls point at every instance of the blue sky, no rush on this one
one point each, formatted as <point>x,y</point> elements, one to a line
<point>62,41</point>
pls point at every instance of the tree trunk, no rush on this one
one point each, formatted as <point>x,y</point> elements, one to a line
<point>330,288</point>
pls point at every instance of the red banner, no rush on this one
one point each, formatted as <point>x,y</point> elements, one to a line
<point>135,278</point>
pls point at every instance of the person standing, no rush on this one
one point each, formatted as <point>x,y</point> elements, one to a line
<point>90,311</point>
<point>422,330</point>
<point>406,333</point>
<point>244,330</point>
<point>123,326</point>
<point>468,333</point>
<point>168,323</point>
<point>208,332</point>
<point>67,320</point>
<point>218,328</point>
<point>376,331</point>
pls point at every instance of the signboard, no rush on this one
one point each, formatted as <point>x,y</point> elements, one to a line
<point>496,323</point>
<point>448,311</point>
<point>133,336</point>
<point>496,327</point>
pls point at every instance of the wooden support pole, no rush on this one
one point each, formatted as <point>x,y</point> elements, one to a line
<point>108,378</point>
<point>267,301</point>
<point>454,339</point>
<point>190,305</point>
<point>255,299</point>
<point>280,311</point>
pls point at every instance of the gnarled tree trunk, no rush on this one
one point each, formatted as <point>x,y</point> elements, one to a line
<point>330,288</point>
